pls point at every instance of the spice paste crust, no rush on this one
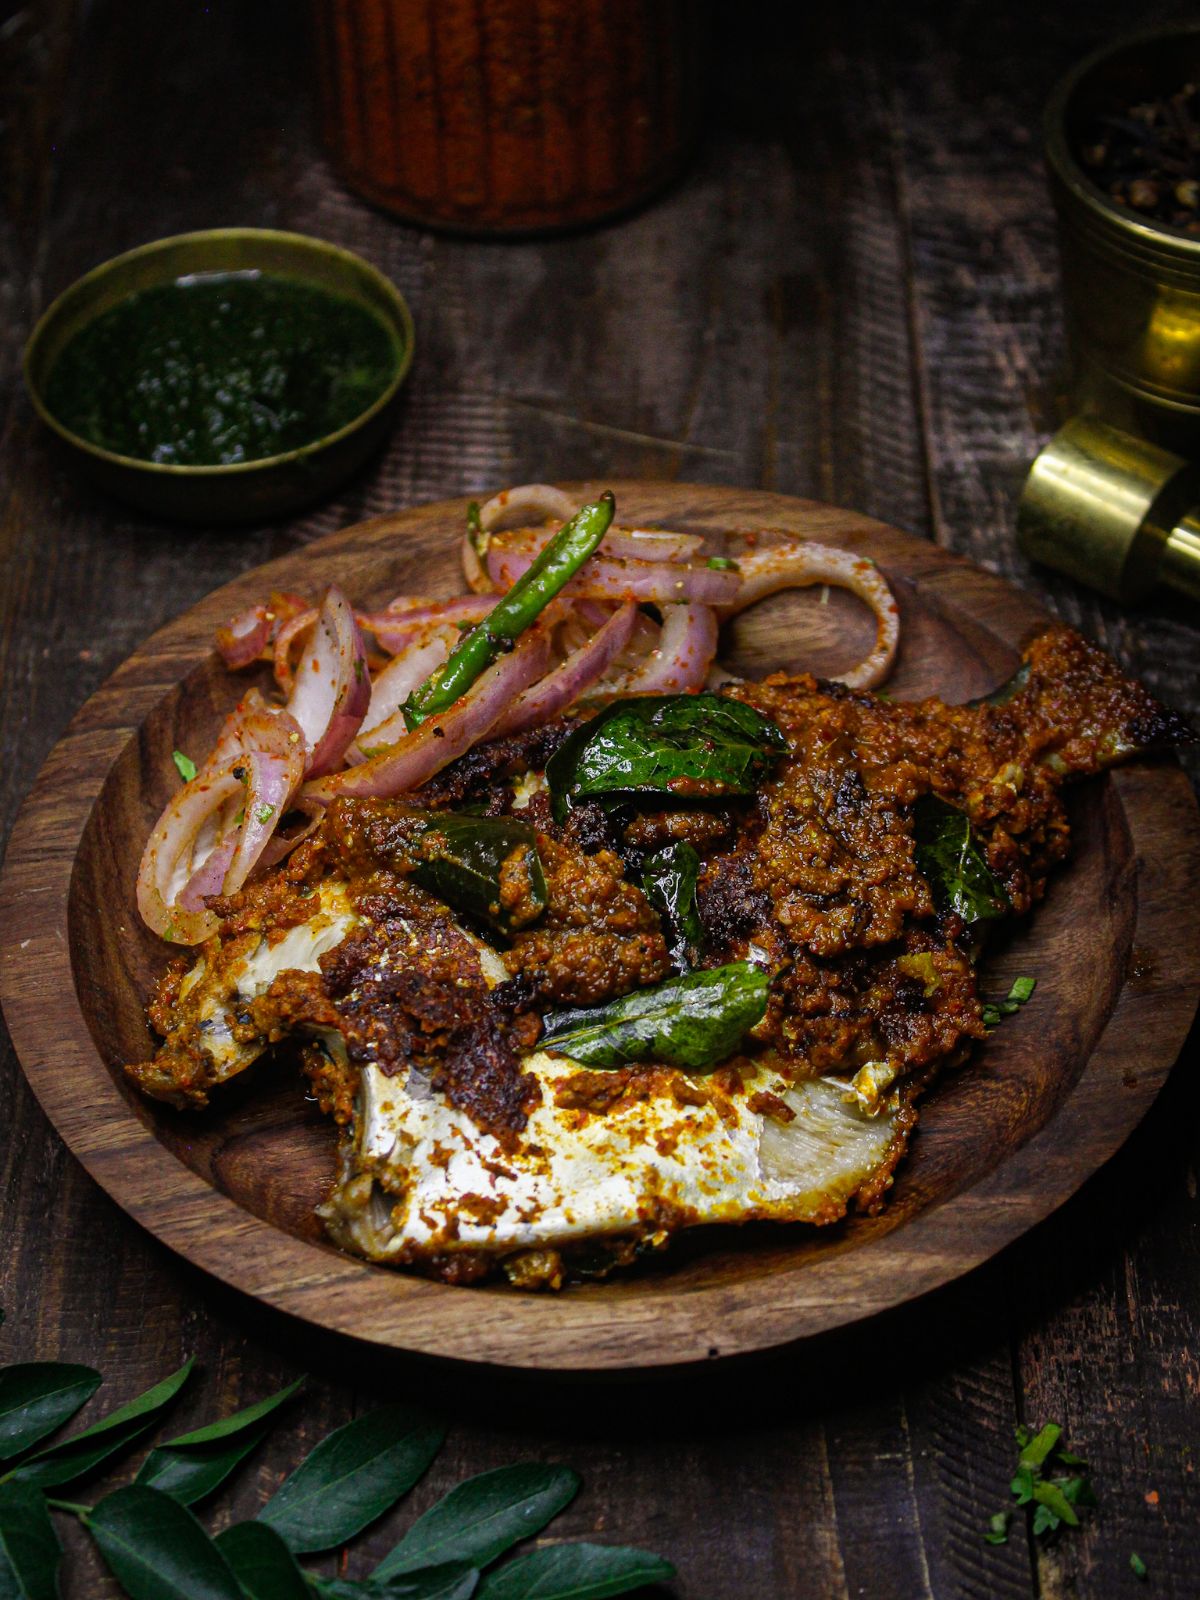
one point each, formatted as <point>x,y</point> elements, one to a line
<point>467,1149</point>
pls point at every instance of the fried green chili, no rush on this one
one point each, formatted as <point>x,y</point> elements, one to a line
<point>553,568</point>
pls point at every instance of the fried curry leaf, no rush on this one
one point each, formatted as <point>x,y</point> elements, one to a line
<point>262,1563</point>
<point>192,1466</point>
<point>352,1477</point>
<point>460,860</point>
<point>157,1550</point>
<point>38,1396</point>
<point>669,880</point>
<point>61,1463</point>
<point>952,860</point>
<point>29,1547</point>
<point>693,1022</point>
<point>481,1518</point>
<point>1008,690</point>
<point>690,746</point>
<point>449,1581</point>
<point>575,1572</point>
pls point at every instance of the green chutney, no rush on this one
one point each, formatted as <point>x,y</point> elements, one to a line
<point>221,367</point>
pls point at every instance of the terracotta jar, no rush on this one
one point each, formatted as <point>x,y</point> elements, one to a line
<point>508,115</point>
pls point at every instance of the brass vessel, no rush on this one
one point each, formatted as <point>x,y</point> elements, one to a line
<point>1131,287</point>
<point>1116,513</point>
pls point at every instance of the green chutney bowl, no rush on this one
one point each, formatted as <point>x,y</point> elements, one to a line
<point>245,491</point>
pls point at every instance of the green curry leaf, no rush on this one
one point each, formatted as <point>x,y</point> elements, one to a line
<point>460,860</point>
<point>693,1022</point>
<point>952,860</point>
<point>38,1396</point>
<point>29,1547</point>
<point>669,879</point>
<point>689,746</point>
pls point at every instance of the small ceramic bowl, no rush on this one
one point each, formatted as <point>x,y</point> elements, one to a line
<point>246,491</point>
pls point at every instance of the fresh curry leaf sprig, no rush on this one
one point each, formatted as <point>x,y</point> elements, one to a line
<point>1050,1481</point>
<point>994,1012</point>
<point>157,1549</point>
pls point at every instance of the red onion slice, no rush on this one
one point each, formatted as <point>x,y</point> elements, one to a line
<point>430,647</point>
<point>290,636</point>
<point>165,871</point>
<point>270,782</point>
<point>680,660</point>
<point>798,565</point>
<point>394,631</point>
<point>563,686</point>
<point>636,544</point>
<point>540,500</point>
<point>245,638</point>
<point>604,578</point>
<point>333,687</point>
<point>416,756</point>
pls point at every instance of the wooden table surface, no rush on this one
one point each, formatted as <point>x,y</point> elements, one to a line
<point>852,295</point>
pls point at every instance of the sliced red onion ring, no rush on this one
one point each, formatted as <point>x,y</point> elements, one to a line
<point>245,638</point>
<point>563,686</point>
<point>603,578</point>
<point>416,756</point>
<point>284,840</point>
<point>636,544</point>
<point>647,544</point>
<point>429,648</point>
<point>165,866</point>
<point>798,565</point>
<point>289,635</point>
<point>255,725</point>
<point>333,687</point>
<point>681,658</point>
<point>271,781</point>
<point>394,631</point>
<point>526,500</point>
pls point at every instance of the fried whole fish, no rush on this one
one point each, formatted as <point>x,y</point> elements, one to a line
<point>853,886</point>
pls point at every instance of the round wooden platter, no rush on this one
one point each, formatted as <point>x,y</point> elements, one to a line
<point>1002,1141</point>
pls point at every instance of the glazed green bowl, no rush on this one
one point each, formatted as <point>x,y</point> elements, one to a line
<point>245,491</point>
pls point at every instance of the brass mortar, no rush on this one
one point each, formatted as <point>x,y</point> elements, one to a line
<point>1131,287</point>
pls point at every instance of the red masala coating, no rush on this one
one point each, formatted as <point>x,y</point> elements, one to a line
<point>816,877</point>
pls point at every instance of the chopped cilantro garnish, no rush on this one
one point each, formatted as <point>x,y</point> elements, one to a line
<point>265,813</point>
<point>723,564</point>
<point>1054,1496</point>
<point>994,1011</point>
<point>185,766</point>
<point>1138,1566</point>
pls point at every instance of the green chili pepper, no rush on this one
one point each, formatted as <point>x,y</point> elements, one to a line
<point>554,567</point>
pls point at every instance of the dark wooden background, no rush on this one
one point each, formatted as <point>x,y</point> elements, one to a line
<point>852,295</point>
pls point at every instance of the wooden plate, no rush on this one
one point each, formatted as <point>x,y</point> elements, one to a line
<point>1116,950</point>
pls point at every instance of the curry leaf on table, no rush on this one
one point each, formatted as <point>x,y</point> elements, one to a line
<point>29,1547</point>
<point>687,746</point>
<point>352,1477</point>
<point>262,1563</point>
<point>61,1463</point>
<point>448,1581</point>
<point>952,860</point>
<point>157,1550</point>
<point>483,1517</point>
<point>196,1463</point>
<point>575,1572</point>
<point>38,1396</point>
<point>694,1022</point>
